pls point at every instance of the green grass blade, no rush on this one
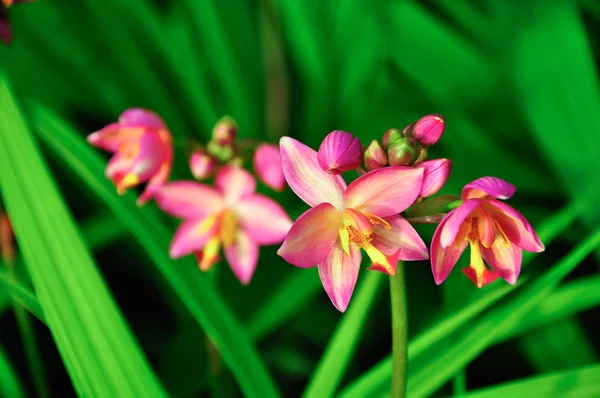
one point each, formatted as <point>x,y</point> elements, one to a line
<point>99,352</point>
<point>338,353</point>
<point>582,382</point>
<point>10,384</point>
<point>193,287</point>
<point>22,295</point>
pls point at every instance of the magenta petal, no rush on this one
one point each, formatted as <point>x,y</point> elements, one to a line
<point>435,175</point>
<point>189,238</point>
<point>339,273</point>
<point>5,31</point>
<point>267,166</point>
<point>444,259</point>
<point>504,259</point>
<point>265,221</point>
<point>141,118</point>
<point>188,199</point>
<point>402,240</point>
<point>312,236</point>
<point>242,257</point>
<point>516,227</point>
<point>339,152</point>
<point>111,137</point>
<point>455,219</point>
<point>306,178</point>
<point>235,183</point>
<point>386,191</point>
<point>488,188</point>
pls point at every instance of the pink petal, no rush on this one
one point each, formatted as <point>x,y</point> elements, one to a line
<point>235,183</point>
<point>202,165</point>
<point>141,118</point>
<point>190,237</point>
<point>188,199</point>
<point>267,166</point>
<point>111,137</point>
<point>151,154</point>
<point>444,259</point>
<point>156,182</point>
<point>306,178</point>
<point>488,188</point>
<point>488,276</point>
<point>339,152</point>
<point>312,236</point>
<point>516,227</point>
<point>386,191</point>
<point>242,257</point>
<point>263,219</point>
<point>435,175</point>
<point>339,273</point>
<point>118,166</point>
<point>402,240</point>
<point>504,259</point>
<point>455,219</point>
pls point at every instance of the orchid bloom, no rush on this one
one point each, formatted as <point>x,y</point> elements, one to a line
<point>231,216</point>
<point>344,219</point>
<point>141,143</point>
<point>493,229</point>
<point>267,166</point>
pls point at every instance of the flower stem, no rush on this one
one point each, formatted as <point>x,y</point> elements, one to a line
<point>399,332</point>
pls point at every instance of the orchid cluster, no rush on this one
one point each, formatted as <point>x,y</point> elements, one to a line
<point>373,213</point>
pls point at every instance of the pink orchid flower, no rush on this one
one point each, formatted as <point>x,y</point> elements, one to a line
<point>267,166</point>
<point>344,219</point>
<point>493,229</point>
<point>141,143</point>
<point>231,216</point>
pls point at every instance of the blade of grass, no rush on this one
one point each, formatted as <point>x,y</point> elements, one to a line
<point>10,384</point>
<point>193,287</point>
<point>99,352</point>
<point>582,382</point>
<point>22,295</point>
<point>340,348</point>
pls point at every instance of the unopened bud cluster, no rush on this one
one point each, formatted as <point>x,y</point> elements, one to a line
<point>220,150</point>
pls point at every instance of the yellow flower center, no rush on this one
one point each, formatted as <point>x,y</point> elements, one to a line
<point>224,227</point>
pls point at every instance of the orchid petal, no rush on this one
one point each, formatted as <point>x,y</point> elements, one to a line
<point>111,137</point>
<point>386,191</point>
<point>338,273</point>
<point>516,227</point>
<point>435,175</point>
<point>444,259</point>
<point>402,240</point>
<point>188,199</point>
<point>267,166</point>
<point>488,188</point>
<point>454,221</point>
<point>191,236</point>
<point>242,257</point>
<point>487,277</point>
<point>306,178</point>
<point>235,183</point>
<point>263,219</point>
<point>141,117</point>
<point>312,236</point>
<point>504,259</point>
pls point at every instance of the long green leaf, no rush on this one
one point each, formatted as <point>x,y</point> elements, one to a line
<point>193,288</point>
<point>22,295</point>
<point>96,345</point>
<point>10,384</point>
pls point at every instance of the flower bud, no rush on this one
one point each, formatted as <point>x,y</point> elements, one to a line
<point>267,166</point>
<point>407,131</point>
<point>375,156</point>
<point>435,175</point>
<point>202,165</point>
<point>432,210</point>
<point>421,155</point>
<point>428,130</point>
<point>339,152</point>
<point>391,136</point>
<point>225,131</point>
<point>401,153</point>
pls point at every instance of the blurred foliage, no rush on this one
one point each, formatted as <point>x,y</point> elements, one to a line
<point>517,83</point>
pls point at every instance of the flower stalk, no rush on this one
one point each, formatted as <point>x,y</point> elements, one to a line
<point>399,332</point>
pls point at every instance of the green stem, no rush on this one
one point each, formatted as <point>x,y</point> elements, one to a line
<point>29,342</point>
<point>399,332</point>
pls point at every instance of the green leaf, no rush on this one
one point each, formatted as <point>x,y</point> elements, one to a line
<point>98,350</point>
<point>582,382</point>
<point>10,385</point>
<point>338,353</point>
<point>22,295</point>
<point>193,287</point>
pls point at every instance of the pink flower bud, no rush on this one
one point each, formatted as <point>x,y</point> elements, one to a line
<point>267,166</point>
<point>391,136</point>
<point>435,175</point>
<point>428,130</point>
<point>339,152</point>
<point>375,156</point>
<point>202,165</point>
<point>401,152</point>
<point>225,131</point>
